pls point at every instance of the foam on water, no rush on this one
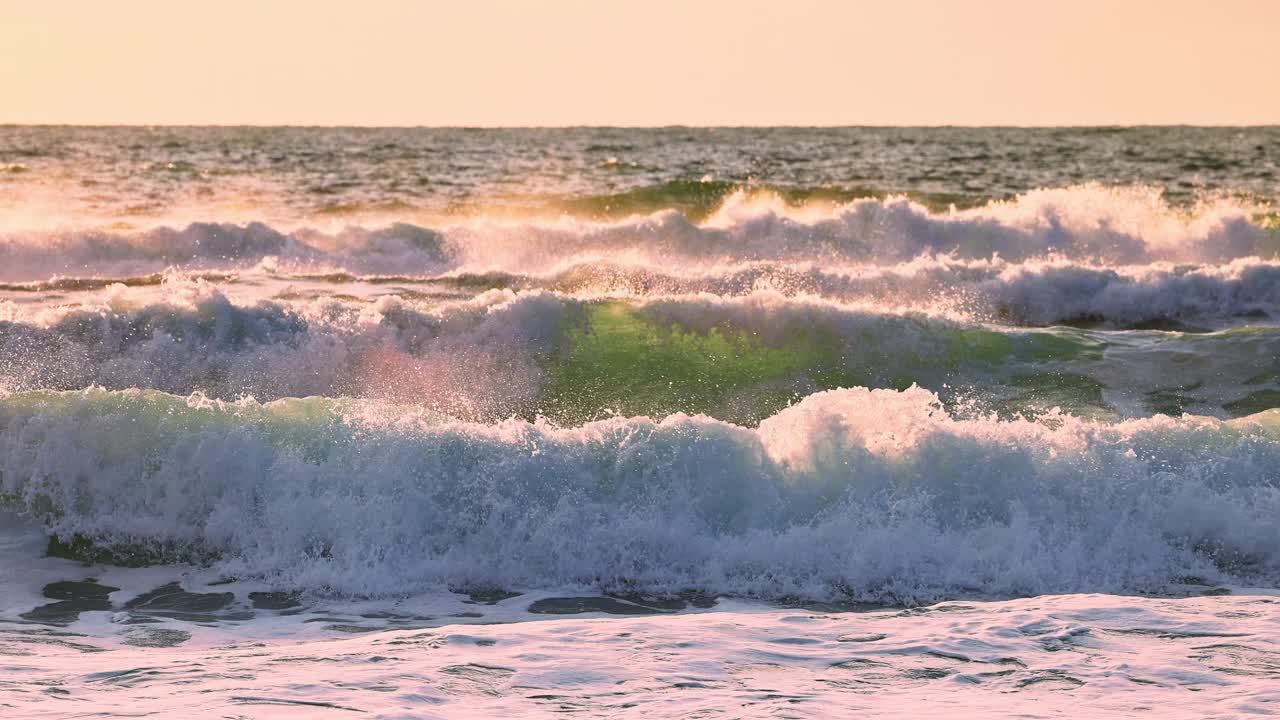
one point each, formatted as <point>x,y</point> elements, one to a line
<point>579,357</point>
<point>855,493</point>
<point>290,417</point>
<point>1035,292</point>
<point>1114,225</point>
<point>1070,655</point>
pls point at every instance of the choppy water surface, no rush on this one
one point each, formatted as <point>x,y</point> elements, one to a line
<point>681,422</point>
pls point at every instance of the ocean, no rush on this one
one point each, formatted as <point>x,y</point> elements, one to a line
<point>680,422</point>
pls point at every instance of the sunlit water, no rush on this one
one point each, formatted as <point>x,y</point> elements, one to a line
<point>684,422</point>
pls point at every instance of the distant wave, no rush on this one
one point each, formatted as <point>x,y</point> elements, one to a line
<point>1091,222</point>
<point>855,494</point>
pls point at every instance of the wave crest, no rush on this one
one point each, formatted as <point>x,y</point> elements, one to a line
<point>504,353</point>
<point>855,493</point>
<point>1091,222</point>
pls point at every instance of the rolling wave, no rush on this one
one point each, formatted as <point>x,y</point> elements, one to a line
<point>1096,223</point>
<point>1028,294</point>
<point>1034,293</point>
<point>573,359</point>
<point>853,494</point>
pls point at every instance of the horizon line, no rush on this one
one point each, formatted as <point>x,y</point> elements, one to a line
<point>669,126</point>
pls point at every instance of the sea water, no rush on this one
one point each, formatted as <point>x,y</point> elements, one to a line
<point>676,422</point>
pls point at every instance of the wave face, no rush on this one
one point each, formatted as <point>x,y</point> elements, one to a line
<point>573,359</point>
<point>853,493</point>
<point>869,364</point>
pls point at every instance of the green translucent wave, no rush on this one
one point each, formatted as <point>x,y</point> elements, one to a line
<point>621,360</point>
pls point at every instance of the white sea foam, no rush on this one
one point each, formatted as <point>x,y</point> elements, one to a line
<point>1078,655</point>
<point>493,355</point>
<point>855,493</point>
<point>407,317</point>
<point>1114,225</point>
<point>1035,292</point>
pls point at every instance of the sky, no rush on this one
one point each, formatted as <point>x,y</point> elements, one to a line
<point>651,62</point>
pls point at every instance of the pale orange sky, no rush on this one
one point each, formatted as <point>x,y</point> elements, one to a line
<point>571,62</point>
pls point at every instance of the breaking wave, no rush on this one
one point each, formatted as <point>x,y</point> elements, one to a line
<point>574,358</point>
<point>856,494</point>
<point>1091,222</point>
